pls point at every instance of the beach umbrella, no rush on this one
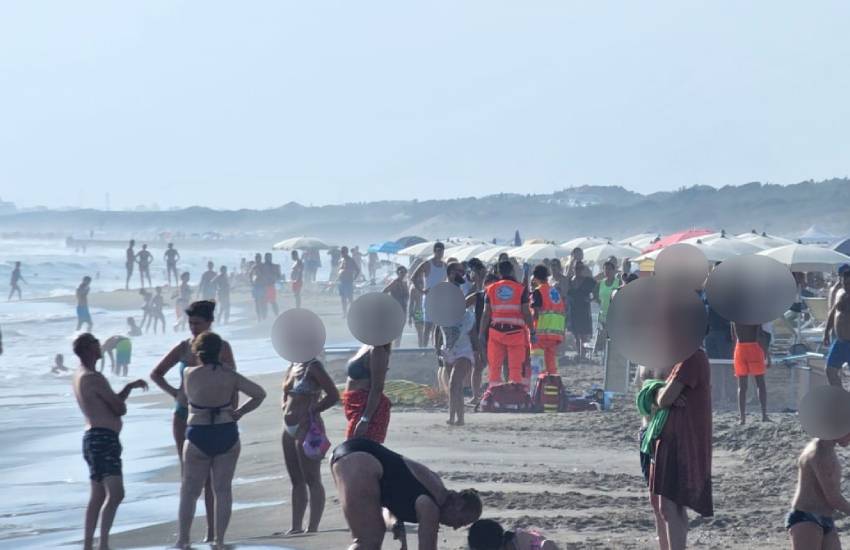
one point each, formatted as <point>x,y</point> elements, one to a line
<point>467,252</point>
<point>538,252</point>
<point>386,247</point>
<point>807,257</point>
<point>842,246</point>
<point>712,254</point>
<point>301,243</point>
<point>674,238</point>
<point>583,242</point>
<point>600,253</point>
<point>421,250</point>
<point>491,255</point>
<point>764,241</point>
<point>641,240</point>
<point>735,246</point>
<point>410,240</point>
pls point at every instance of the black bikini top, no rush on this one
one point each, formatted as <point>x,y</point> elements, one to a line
<point>358,367</point>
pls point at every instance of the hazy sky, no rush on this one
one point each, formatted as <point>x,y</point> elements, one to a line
<point>254,104</point>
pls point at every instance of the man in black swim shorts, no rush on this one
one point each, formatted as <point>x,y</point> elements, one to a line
<point>103,409</point>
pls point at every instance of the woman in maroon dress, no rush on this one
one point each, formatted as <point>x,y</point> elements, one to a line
<point>680,473</point>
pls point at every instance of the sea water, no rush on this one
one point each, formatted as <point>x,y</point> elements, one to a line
<point>43,478</point>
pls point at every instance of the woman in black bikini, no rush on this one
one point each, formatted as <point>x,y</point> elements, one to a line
<point>212,438</point>
<point>302,388</point>
<point>370,477</point>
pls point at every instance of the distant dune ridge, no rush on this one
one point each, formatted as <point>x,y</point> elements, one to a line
<point>587,210</point>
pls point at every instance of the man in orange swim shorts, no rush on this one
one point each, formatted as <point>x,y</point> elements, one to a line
<point>749,361</point>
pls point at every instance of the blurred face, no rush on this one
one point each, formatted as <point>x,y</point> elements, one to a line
<point>609,271</point>
<point>578,254</point>
<point>438,252</point>
<point>198,325</point>
<point>209,265</point>
<point>401,272</point>
<point>454,514</point>
<point>455,274</point>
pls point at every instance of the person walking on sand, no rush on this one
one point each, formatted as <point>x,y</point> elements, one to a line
<point>171,257</point>
<point>400,291</point>
<point>13,282</point>
<point>838,323</point>
<point>83,313</point>
<point>346,275</point>
<point>272,276</point>
<point>222,288</point>
<point>303,386</point>
<point>810,522</point>
<point>371,478</point>
<point>366,407</point>
<point>504,325</point>
<point>102,409</point>
<point>581,285</point>
<point>749,361</point>
<point>144,259</point>
<point>680,472</point>
<point>257,277</point>
<point>201,316</point>
<point>297,277</point>
<point>479,280</point>
<point>212,443</point>
<point>457,352</point>
<point>206,289</point>
<point>129,263</point>
<point>426,276</point>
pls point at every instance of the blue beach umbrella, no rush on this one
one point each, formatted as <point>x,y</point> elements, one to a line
<point>386,247</point>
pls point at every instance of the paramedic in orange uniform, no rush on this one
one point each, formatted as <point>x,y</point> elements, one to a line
<point>547,309</point>
<point>505,324</point>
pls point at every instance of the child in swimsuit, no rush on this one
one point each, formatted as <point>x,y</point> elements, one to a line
<point>486,534</point>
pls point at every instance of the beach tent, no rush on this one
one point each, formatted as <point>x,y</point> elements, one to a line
<point>600,253</point>
<point>583,242</point>
<point>301,243</point>
<point>842,246</point>
<point>677,238</point>
<point>806,257</point>
<point>410,240</point>
<point>816,235</point>
<point>386,247</point>
<point>538,252</point>
<point>421,250</point>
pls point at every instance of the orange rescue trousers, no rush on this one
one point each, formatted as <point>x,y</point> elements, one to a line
<point>514,345</point>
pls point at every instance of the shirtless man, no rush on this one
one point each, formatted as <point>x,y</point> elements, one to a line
<point>83,313</point>
<point>156,315</point>
<point>272,276</point>
<point>346,275</point>
<point>16,277</point>
<point>839,352</point>
<point>119,346</point>
<point>130,262</point>
<point>426,276</point>
<point>171,258</point>
<point>840,286</point>
<point>144,259</point>
<point>221,283</point>
<point>749,361</point>
<point>258,288</point>
<point>102,409</point>
<point>206,289</point>
<point>810,523</point>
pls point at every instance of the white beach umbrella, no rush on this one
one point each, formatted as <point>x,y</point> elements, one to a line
<point>764,241</point>
<point>301,243</point>
<point>734,246</point>
<point>421,250</point>
<point>639,241</point>
<point>600,253</point>
<point>465,253</point>
<point>712,254</point>
<point>807,257</point>
<point>538,252</point>
<point>583,242</point>
<point>491,255</point>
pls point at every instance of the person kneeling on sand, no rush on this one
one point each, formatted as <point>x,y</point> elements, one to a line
<point>818,495</point>
<point>370,477</point>
<point>303,404</point>
<point>102,409</point>
<point>212,444</point>
<point>486,534</point>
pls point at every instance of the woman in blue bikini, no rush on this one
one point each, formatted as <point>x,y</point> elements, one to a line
<point>200,315</point>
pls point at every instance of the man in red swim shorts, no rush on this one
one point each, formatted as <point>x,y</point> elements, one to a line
<point>749,361</point>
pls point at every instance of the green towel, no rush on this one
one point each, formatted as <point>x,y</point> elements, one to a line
<point>645,401</point>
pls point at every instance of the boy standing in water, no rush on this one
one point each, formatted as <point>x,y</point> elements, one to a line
<point>83,313</point>
<point>102,409</point>
<point>749,361</point>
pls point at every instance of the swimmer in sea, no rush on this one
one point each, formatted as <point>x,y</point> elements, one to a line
<point>59,365</point>
<point>144,259</point>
